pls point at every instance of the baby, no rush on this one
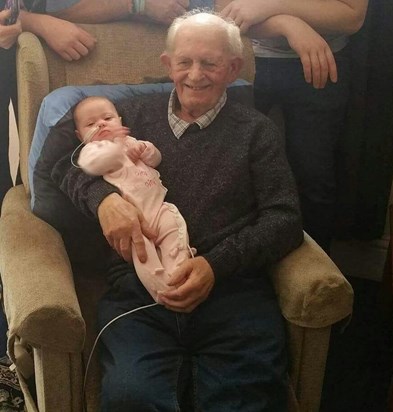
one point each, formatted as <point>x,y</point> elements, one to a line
<point>129,164</point>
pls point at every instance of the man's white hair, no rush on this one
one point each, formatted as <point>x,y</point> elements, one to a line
<point>207,17</point>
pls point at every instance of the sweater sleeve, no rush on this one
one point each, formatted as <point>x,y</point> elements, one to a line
<point>277,229</point>
<point>85,191</point>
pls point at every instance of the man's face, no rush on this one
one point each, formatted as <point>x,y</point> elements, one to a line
<point>201,68</point>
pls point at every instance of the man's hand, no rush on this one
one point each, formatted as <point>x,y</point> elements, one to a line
<point>123,224</point>
<point>165,11</point>
<point>315,54</point>
<point>193,280</point>
<point>8,34</point>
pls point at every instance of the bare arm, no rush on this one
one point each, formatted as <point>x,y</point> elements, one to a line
<point>66,39</point>
<point>101,11</point>
<point>315,54</point>
<point>325,16</point>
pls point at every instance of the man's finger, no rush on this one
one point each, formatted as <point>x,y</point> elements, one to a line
<point>139,244</point>
<point>147,230</point>
<point>126,249</point>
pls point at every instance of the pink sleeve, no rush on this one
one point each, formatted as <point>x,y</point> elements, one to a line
<point>151,155</point>
<point>101,157</point>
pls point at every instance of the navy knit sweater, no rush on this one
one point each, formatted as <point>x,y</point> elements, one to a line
<point>230,181</point>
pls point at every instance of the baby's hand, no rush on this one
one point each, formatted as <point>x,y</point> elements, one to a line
<point>134,152</point>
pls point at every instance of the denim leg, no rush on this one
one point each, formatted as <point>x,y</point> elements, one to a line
<point>237,338</point>
<point>314,120</point>
<point>142,358</point>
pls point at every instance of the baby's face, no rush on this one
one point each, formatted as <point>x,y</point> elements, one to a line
<point>100,117</point>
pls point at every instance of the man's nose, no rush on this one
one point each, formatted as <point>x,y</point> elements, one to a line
<point>196,72</point>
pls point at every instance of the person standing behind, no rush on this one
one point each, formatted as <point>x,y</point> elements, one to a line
<point>302,64</point>
<point>8,36</point>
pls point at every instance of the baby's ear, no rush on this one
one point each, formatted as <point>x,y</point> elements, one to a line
<point>78,135</point>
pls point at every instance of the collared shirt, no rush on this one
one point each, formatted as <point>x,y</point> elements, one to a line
<point>179,126</point>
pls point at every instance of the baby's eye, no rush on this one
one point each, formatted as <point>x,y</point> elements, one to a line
<point>109,118</point>
<point>90,124</point>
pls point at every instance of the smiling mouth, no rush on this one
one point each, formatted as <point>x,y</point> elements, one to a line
<point>196,88</point>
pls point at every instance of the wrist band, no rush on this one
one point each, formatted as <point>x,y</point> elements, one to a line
<point>138,6</point>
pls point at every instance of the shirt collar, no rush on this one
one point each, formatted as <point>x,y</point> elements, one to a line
<point>179,126</point>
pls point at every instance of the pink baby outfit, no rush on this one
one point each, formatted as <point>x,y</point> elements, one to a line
<point>140,184</point>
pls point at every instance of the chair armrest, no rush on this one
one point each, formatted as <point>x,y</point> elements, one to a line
<point>33,86</point>
<point>39,293</point>
<point>311,290</point>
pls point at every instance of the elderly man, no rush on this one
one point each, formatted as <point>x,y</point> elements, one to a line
<point>218,340</point>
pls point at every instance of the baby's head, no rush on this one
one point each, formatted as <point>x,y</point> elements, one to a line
<point>95,118</point>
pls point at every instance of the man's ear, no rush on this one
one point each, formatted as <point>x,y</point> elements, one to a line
<point>235,67</point>
<point>166,61</point>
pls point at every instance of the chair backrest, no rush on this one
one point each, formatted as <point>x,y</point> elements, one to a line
<point>126,52</point>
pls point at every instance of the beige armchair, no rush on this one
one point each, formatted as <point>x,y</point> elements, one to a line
<point>50,305</point>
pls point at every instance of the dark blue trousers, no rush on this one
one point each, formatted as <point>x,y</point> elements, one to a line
<point>314,121</point>
<point>229,354</point>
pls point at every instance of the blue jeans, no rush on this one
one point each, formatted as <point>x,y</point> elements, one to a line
<point>229,354</point>
<point>314,121</point>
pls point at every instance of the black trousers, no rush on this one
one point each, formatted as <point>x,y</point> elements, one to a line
<point>7,94</point>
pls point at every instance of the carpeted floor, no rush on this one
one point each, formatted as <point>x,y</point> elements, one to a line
<point>11,397</point>
<point>359,366</point>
